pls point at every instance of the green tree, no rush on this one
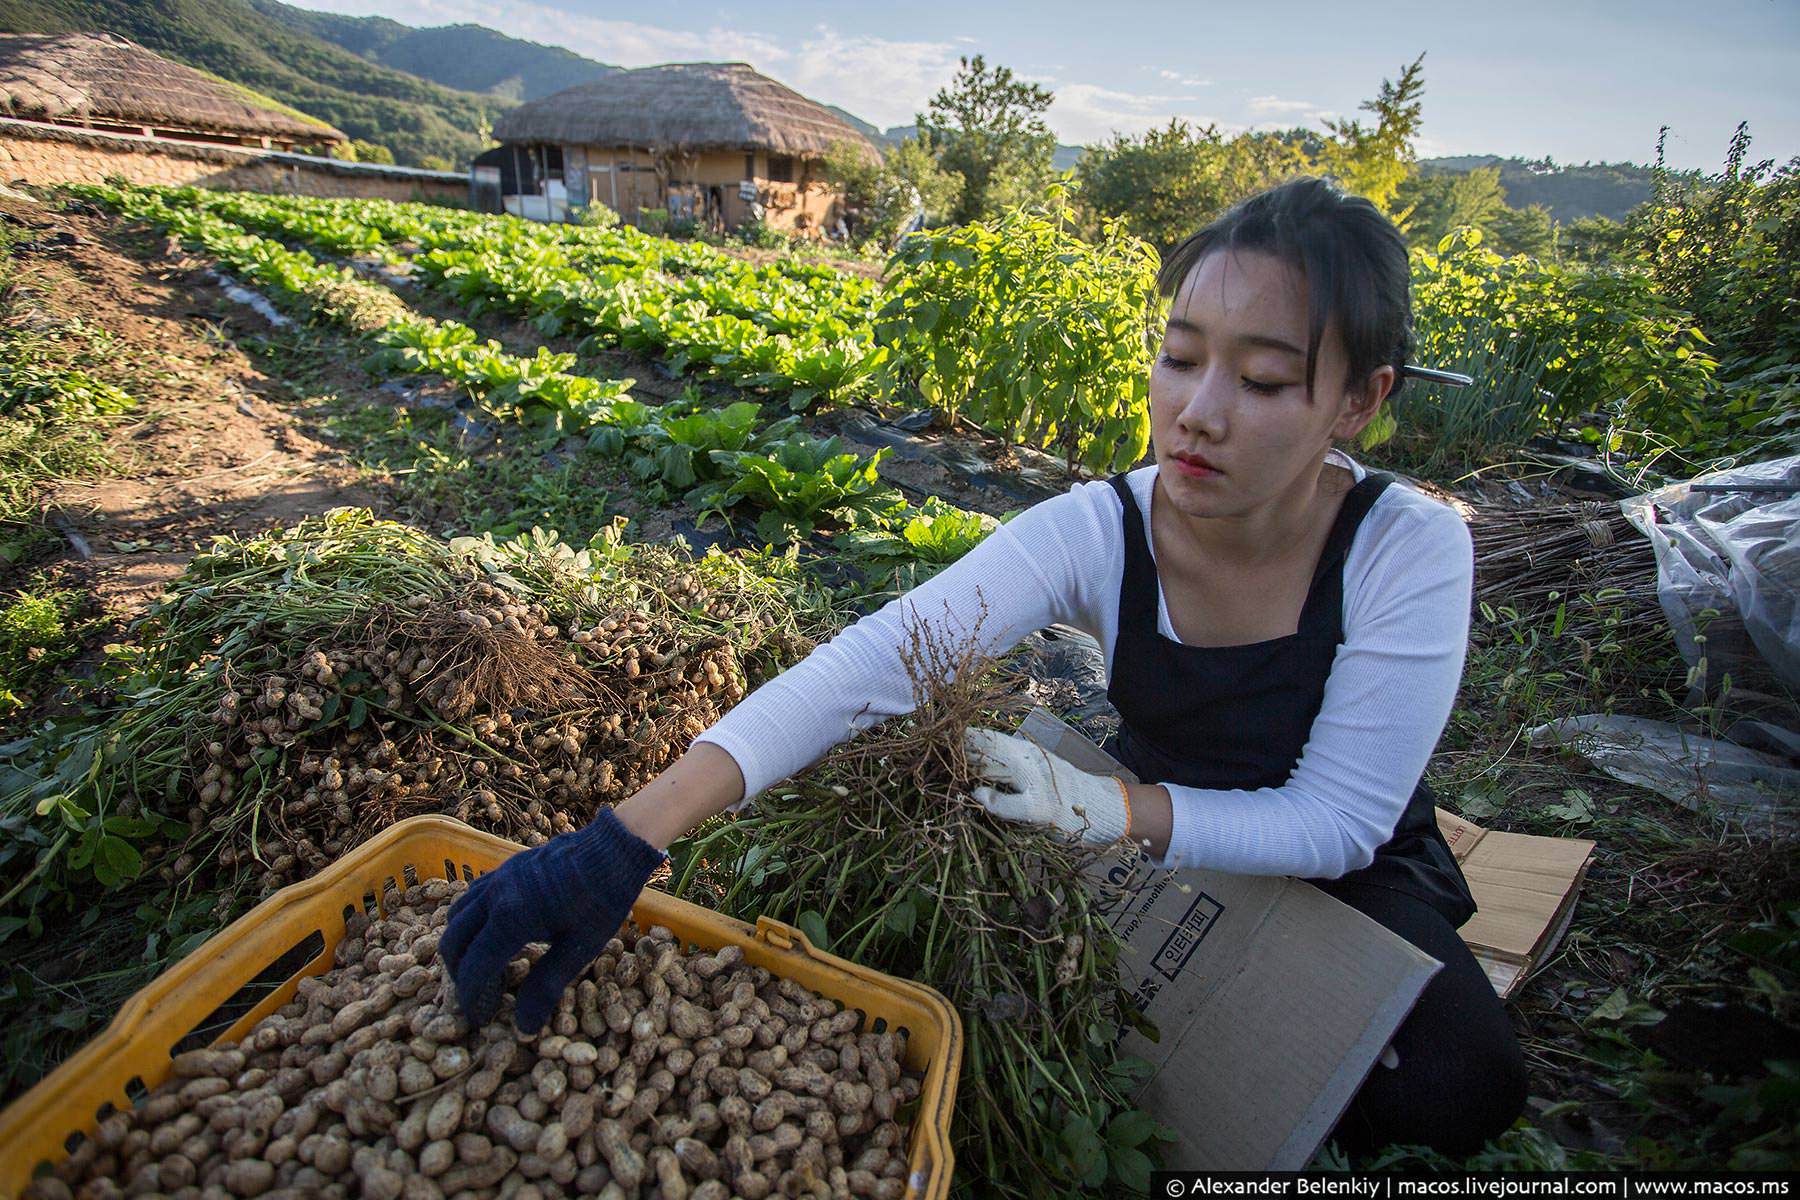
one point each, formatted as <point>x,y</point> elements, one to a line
<point>1526,230</point>
<point>1168,182</point>
<point>359,150</point>
<point>1373,161</point>
<point>1594,241</point>
<point>1438,203</point>
<point>988,127</point>
<point>880,198</point>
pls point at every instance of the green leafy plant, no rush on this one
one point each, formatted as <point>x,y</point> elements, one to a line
<point>38,632</point>
<point>1723,246</point>
<point>1030,331</point>
<point>1612,345</point>
<point>934,534</point>
<point>594,215</point>
<point>653,221</point>
<point>1437,431</point>
<point>679,449</point>
<point>805,484</point>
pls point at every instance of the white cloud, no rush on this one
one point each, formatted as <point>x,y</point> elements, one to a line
<point>1086,112</point>
<point>1267,106</point>
<point>882,81</point>
<point>1192,81</point>
<point>887,82</point>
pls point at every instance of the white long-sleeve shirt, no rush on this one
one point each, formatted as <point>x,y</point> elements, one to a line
<point>1407,581</point>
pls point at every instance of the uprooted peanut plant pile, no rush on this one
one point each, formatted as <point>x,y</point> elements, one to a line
<point>297,692</point>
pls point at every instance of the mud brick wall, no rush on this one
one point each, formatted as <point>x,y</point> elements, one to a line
<point>48,154</point>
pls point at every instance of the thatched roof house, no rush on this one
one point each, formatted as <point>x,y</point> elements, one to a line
<point>105,82</point>
<point>716,142</point>
<point>683,107</point>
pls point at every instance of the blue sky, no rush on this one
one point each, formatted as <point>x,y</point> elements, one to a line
<point>1577,79</point>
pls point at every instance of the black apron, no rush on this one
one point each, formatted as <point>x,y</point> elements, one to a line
<point>1231,717</point>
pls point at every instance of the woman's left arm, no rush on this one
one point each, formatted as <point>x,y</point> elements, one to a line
<point>1390,691</point>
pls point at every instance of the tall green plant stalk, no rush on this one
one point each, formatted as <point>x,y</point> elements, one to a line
<point>1027,330</point>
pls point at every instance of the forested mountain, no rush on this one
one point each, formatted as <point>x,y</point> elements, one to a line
<point>1570,191</point>
<point>420,121</point>
<point>470,58</point>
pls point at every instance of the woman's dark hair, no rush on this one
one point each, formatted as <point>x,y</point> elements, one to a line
<point>1352,256</point>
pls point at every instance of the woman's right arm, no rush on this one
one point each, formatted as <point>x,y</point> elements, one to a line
<point>700,784</point>
<point>1027,574</point>
<point>1031,572</point>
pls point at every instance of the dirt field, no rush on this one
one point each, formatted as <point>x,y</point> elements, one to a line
<point>212,448</point>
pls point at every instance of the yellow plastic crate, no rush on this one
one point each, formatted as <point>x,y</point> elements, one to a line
<point>134,1052</point>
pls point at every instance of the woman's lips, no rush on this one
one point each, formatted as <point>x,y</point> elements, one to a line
<point>1195,467</point>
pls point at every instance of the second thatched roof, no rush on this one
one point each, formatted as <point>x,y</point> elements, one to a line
<point>683,107</point>
<point>76,77</point>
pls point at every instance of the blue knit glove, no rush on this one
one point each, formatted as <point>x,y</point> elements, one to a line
<point>573,892</point>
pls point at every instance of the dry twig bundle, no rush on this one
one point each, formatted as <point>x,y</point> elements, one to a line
<point>1532,559</point>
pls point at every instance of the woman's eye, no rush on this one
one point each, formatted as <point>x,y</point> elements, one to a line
<point>1174,364</point>
<point>1261,388</point>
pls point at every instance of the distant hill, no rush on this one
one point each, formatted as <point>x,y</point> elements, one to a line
<point>1569,191</point>
<point>470,58</point>
<point>872,132</point>
<point>1064,158</point>
<point>242,42</point>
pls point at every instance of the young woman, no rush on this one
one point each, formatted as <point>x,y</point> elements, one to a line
<point>1284,633</point>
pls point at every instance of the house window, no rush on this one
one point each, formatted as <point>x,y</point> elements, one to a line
<point>553,163</point>
<point>750,166</point>
<point>781,168</point>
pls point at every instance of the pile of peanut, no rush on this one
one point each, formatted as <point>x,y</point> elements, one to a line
<point>664,1073</point>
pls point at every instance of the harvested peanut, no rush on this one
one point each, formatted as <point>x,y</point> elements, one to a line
<point>678,1073</point>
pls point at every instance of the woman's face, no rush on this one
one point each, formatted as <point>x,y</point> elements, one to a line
<point>1230,418</point>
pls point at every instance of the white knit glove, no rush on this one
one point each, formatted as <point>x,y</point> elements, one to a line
<point>1046,789</point>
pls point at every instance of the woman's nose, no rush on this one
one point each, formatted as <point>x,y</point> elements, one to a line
<point>1205,411</point>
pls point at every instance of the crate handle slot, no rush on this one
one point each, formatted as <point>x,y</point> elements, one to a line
<point>251,992</point>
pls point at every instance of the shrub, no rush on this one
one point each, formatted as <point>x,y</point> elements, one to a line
<point>595,215</point>
<point>1609,341</point>
<point>1028,330</point>
<point>1723,247</point>
<point>762,235</point>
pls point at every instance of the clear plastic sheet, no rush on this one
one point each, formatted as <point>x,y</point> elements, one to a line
<point>1756,790</point>
<point>1737,551</point>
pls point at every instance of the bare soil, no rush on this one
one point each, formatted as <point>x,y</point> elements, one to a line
<point>212,451</point>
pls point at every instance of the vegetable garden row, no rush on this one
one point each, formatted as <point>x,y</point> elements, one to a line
<point>716,458</point>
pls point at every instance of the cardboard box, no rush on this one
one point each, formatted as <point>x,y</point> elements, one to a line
<point>1525,888</point>
<point>1273,1000</point>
